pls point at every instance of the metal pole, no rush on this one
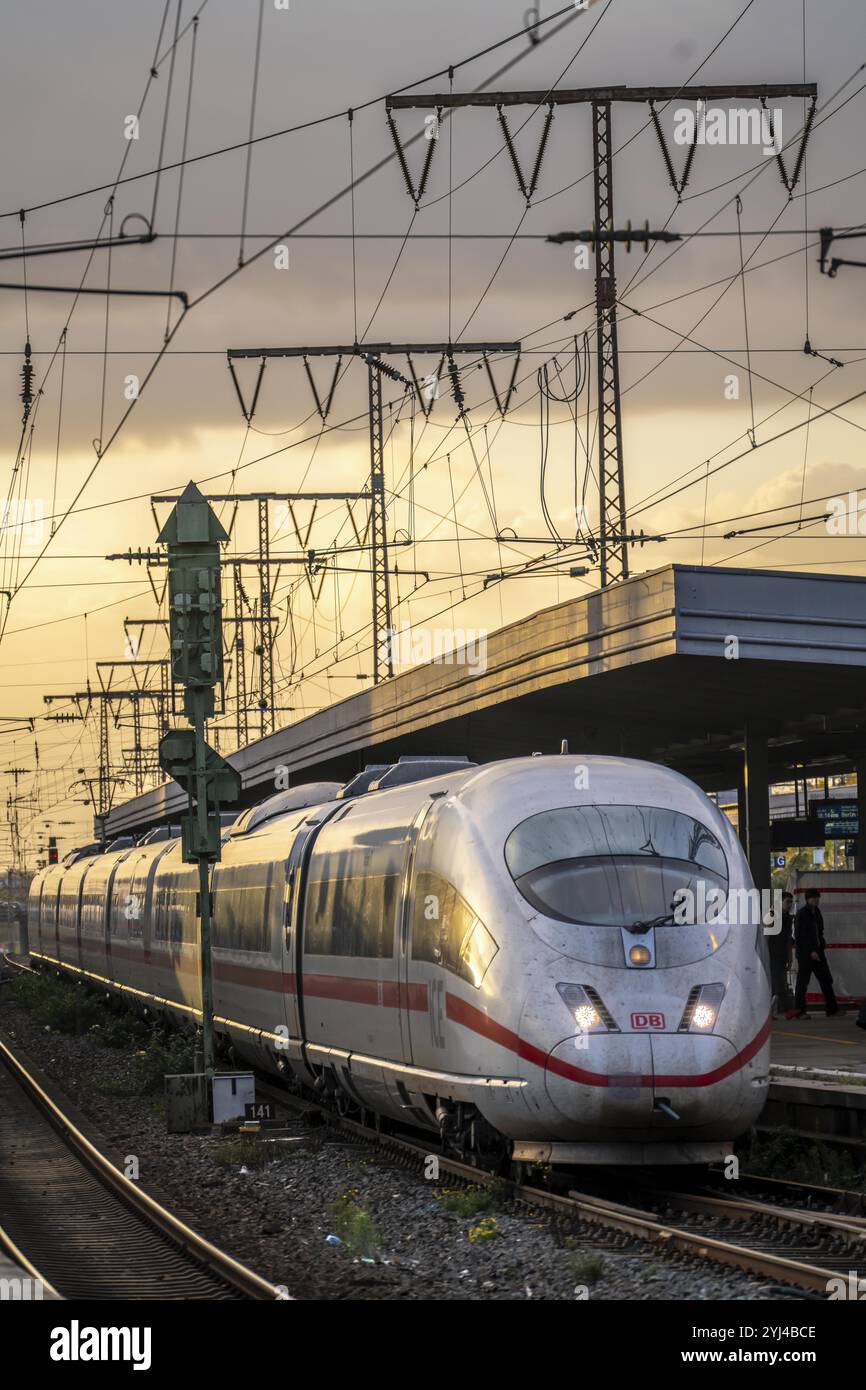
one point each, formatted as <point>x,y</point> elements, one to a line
<point>612,518</point>
<point>757,797</point>
<point>383,664</point>
<point>201,812</point>
<point>242,727</point>
<point>266,637</point>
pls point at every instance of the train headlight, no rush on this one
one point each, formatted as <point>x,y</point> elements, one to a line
<point>587,1009</point>
<point>704,1016</point>
<point>702,1009</point>
<point>586,1017</point>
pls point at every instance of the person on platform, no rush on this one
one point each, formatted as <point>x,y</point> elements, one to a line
<point>781,947</point>
<point>811,956</point>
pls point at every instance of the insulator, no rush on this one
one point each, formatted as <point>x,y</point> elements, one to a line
<point>384,367</point>
<point>527,189</point>
<point>512,152</point>
<point>27,381</point>
<point>456,387</point>
<point>678,185</point>
<point>542,146</point>
<point>416,194</point>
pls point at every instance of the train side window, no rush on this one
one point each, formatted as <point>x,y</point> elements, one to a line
<point>352,915</point>
<point>447,932</point>
<point>158,912</point>
<point>241,907</point>
<point>174,915</point>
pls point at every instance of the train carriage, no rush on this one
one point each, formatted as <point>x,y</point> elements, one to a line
<point>131,918</point>
<point>490,952</point>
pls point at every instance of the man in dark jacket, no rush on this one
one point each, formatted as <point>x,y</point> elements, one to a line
<point>780,945</point>
<point>811,955</point>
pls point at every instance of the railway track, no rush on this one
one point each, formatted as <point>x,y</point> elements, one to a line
<point>789,1234</point>
<point>840,1201</point>
<point>788,1246</point>
<point>76,1222</point>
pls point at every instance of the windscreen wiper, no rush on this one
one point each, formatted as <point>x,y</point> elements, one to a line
<point>638,928</point>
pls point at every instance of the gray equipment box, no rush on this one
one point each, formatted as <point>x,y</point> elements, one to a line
<point>233,1091</point>
<point>189,1107</point>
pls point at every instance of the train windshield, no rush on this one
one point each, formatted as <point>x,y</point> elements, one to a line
<point>615,865</point>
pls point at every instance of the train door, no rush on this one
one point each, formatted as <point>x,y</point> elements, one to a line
<point>36,925</point>
<point>56,934</point>
<point>413,994</point>
<point>79,902</point>
<point>114,922</point>
<point>146,981</point>
<point>350,989</point>
<point>292,934</point>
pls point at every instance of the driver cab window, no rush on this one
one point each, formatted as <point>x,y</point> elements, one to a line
<point>613,865</point>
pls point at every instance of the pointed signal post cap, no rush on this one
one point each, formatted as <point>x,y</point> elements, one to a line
<point>192,521</point>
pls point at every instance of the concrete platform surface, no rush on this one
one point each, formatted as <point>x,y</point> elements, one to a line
<point>832,1044</point>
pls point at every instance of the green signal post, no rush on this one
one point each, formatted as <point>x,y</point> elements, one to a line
<point>193,535</point>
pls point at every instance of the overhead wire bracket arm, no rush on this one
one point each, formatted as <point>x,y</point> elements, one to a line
<point>79,289</point>
<point>828,236</point>
<point>64,248</point>
<point>767,91</point>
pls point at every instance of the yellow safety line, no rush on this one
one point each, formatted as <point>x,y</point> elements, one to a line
<point>819,1037</point>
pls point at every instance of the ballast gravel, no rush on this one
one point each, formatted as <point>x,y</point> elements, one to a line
<point>280,1219</point>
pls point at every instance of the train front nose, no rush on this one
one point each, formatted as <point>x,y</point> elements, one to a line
<point>651,1085</point>
<point>703,1080</point>
<point>602,1081</point>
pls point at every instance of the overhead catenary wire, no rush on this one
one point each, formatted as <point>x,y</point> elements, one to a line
<point>249,145</point>
<point>566,13</point>
<point>805,449</point>
<point>739,209</point>
<point>81,290</point>
<point>204,295</point>
<point>413,529</point>
<point>224,278</point>
<point>63,337</point>
<point>167,105</point>
<point>179,200</point>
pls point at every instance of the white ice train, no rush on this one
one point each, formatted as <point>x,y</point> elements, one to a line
<point>483,951</point>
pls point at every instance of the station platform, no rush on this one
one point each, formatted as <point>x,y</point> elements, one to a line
<point>818,1078</point>
<point>828,1044</point>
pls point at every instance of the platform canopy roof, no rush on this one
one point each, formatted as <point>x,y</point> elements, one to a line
<point>669,665</point>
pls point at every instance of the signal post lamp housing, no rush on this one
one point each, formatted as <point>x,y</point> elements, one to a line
<point>193,535</point>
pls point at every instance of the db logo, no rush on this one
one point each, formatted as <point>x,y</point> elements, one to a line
<point>647,1020</point>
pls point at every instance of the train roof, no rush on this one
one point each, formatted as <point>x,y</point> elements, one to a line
<point>489,788</point>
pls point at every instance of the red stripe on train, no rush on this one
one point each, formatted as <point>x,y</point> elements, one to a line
<point>387,994</point>
<point>469,1017</point>
<point>355,990</point>
<point>351,990</point>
